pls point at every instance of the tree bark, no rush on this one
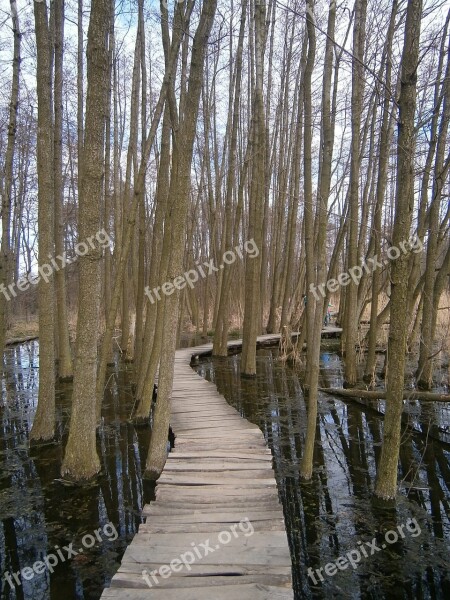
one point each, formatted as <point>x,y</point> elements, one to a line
<point>430,302</point>
<point>386,483</point>
<point>5,250</point>
<point>44,422</point>
<point>81,461</point>
<point>256,202</point>
<point>358,77</point>
<point>65,371</point>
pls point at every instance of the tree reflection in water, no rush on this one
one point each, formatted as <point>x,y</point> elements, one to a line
<point>325,518</point>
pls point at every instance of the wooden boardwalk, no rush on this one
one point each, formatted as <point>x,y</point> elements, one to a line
<point>216,530</point>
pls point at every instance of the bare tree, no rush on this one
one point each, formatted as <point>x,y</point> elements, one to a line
<point>5,250</point>
<point>81,461</point>
<point>386,484</point>
<point>64,352</point>
<point>256,201</point>
<point>44,422</point>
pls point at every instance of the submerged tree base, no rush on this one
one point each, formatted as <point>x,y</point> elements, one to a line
<point>248,375</point>
<point>43,443</point>
<point>151,474</point>
<point>384,501</point>
<point>139,421</point>
<point>88,476</point>
<point>79,483</point>
<point>423,384</point>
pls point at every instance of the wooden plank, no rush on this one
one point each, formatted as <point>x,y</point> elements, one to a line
<point>135,580</point>
<point>204,518</point>
<point>208,528</point>
<point>249,591</point>
<point>172,506</point>
<point>240,541</point>
<point>246,555</point>
<point>237,478</point>
<point>217,455</point>
<point>225,465</point>
<point>202,570</point>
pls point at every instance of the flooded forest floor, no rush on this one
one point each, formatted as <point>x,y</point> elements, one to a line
<point>330,516</point>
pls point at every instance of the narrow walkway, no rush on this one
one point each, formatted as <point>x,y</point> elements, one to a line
<point>216,530</point>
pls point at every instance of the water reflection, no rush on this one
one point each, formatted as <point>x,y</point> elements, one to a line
<point>38,513</point>
<point>327,517</point>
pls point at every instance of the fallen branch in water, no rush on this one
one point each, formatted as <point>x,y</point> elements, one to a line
<point>381,395</point>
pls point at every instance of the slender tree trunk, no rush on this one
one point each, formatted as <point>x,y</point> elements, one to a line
<point>142,212</point>
<point>430,303</point>
<point>131,160</point>
<point>107,280</point>
<point>256,202</point>
<point>64,352</point>
<point>80,86</point>
<point>44,422</point>
<point>313,305</point>
<point>81,461</point>
<point>386,483</point>
<point>5,250</point>
<point>351,319</point>
<point>222,325</point>
<point>383,163</point>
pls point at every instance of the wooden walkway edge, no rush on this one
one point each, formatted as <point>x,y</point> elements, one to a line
<point>216,529</point>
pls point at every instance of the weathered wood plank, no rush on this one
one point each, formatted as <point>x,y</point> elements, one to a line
<point>137,581</point>
<point>250,591</point>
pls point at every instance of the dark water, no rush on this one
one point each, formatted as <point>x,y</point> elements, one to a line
<point>325,518</point>
<point>38,514</point>
<point>334,514</point>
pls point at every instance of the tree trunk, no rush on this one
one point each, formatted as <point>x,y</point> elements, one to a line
<point>314,306</point>
<point>256,202</point>
<point>383,163</point>
<point>351,319</point>
<point>222,325</point>
<point>5,250</point>
<point>81,461</point>
<point>386,483</point>
<point>430,303</point>
<point>44,422</point>
<point>64,352</point>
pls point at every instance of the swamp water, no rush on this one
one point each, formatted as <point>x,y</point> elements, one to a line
<point>38,512</point>
<point>334,514</point>
<point>325,519</point>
